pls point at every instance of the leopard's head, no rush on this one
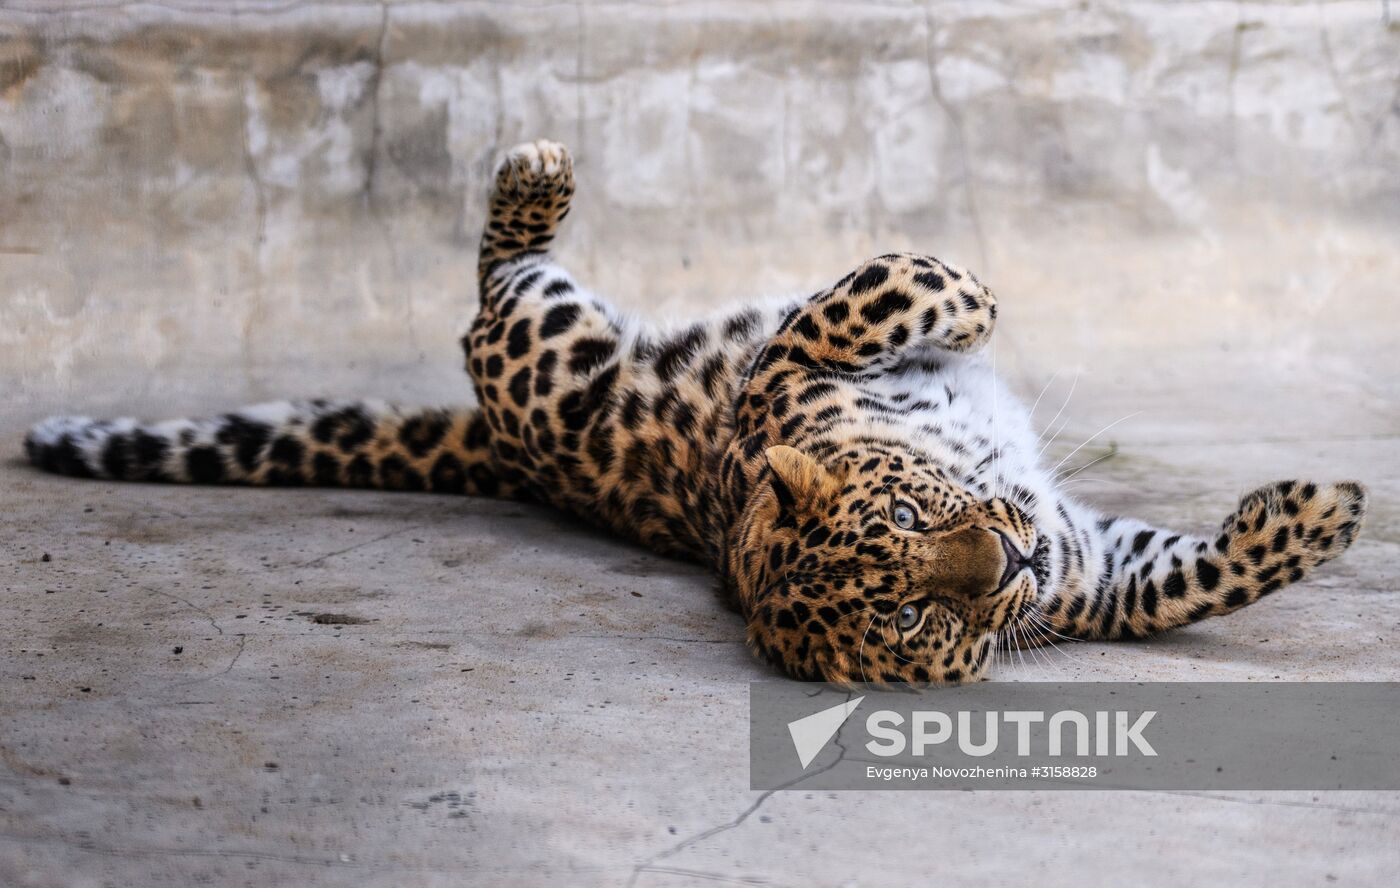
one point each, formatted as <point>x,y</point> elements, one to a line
<point>872,565</point>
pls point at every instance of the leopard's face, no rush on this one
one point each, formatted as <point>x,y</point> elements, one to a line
<point>874,566</point>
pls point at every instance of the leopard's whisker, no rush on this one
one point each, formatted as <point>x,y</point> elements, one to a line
<point>1092,437</point>
<point>1088,465</point>
<point>860,655</point>
<point>1028,651</point>
<point>1043,389</point>
<point>1022,646</point>
<point>1070,481</point>
<point>996,445</point>
<point>1041,659</point>
<point>1059,412</point>
<point>1048,628</point>
<point>1019,655</point>
<point>1052,439</point>
<point>1044,631</point>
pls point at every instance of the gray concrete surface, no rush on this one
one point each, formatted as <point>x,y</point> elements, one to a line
<point>518,699</point>
<point>1190,213</point>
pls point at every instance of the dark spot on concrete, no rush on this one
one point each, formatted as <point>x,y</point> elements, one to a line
<point>337,620</point>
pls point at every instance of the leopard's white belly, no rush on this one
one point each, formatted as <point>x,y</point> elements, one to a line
<point>967,420</point>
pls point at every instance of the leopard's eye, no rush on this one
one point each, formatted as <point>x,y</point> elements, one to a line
<point>908,616</point>
<point>903,516</point>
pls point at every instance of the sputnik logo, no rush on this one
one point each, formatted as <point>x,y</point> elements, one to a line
<point>810,734</point>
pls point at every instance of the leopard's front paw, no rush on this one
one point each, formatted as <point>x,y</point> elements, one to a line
<point>539,172</point>
<point>956,311</point>
<point>1283,530</point>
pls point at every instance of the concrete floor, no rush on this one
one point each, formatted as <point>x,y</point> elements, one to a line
<point>1189,213</point>
<point>233,686</point>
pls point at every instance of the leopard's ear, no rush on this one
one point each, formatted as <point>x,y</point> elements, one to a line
<point>799,480</point>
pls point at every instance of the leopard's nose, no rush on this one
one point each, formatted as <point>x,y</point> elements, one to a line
<point>1016,560</point>
<point>967,562</point>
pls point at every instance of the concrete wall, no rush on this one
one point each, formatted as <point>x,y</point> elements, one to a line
<point>237,200</point>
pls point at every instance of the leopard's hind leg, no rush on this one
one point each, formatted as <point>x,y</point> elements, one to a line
<point>530,197</point>
<point>1146,580</point>
<point>543,353</point>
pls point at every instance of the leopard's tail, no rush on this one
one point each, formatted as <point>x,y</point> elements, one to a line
<point>289,443</point>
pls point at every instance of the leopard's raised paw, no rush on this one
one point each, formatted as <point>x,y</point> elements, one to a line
<point>535,172</point>
<point>1282,530</point>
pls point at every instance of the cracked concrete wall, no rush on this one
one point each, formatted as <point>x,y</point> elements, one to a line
<point>233,201</point>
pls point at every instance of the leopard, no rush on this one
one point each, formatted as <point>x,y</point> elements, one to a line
<point>868,491</point>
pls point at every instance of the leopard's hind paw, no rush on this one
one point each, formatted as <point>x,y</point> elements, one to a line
<point>539,172</point>
<point>1283,530</point>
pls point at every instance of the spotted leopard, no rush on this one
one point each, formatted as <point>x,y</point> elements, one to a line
<point>836,460</point>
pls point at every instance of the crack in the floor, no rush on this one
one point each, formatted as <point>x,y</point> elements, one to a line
<point>192,606</point>
<point>360,545</point>
<point>651,863</point>
<point>707,876</point>
<point>242,643</point>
